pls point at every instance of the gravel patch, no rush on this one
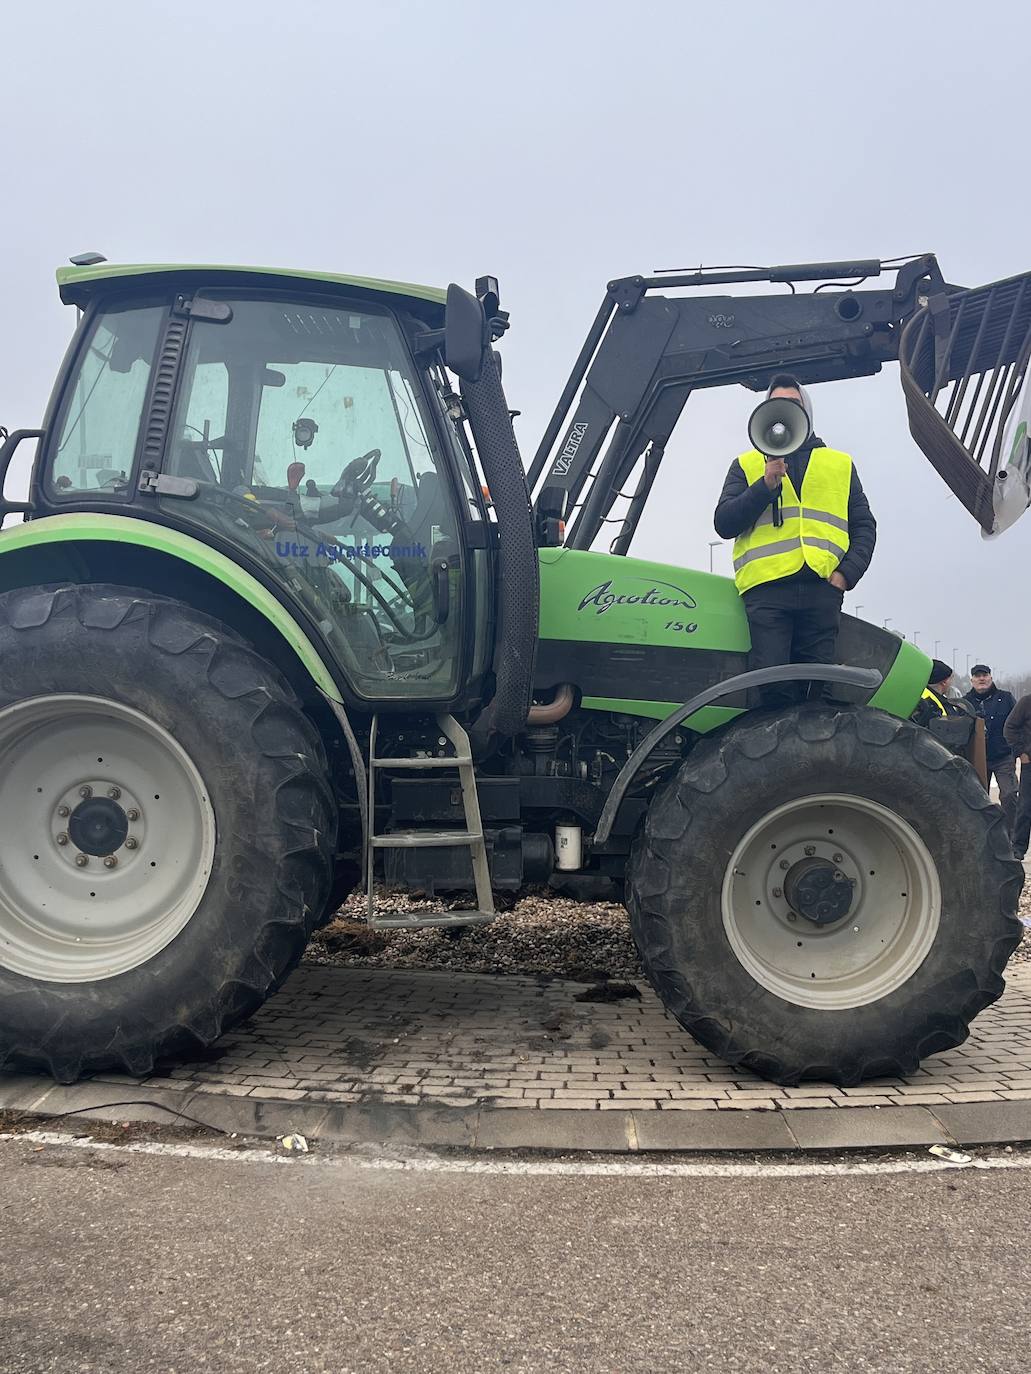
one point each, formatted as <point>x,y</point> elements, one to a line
<point>539,932</point>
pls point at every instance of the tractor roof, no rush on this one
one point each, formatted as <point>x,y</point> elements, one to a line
<point>78,284</point>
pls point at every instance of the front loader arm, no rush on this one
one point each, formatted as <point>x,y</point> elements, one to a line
<point>647,352</point>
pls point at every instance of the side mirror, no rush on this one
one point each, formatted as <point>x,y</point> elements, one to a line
<point>7,448</point>
<point>465,334</point>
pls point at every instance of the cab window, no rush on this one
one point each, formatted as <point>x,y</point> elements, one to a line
<point>100,419</point>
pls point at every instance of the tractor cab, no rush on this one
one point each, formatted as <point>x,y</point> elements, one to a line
<point>304,428</point>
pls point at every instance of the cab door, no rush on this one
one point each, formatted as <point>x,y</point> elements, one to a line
<point>313,447</point>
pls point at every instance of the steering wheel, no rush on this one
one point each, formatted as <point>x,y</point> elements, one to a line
<point>357,476</point>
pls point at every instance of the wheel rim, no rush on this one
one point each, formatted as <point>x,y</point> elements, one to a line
<point>823,959</point>
<point>108,838</point>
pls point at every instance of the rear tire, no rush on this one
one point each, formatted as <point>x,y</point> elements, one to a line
<point>198,770</point>
<point>847,992</point>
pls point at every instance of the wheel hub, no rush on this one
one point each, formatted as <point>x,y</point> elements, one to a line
<point>98,826</point>
<point>831,901</point>
<point>97,818</point>
<point>818,891</point>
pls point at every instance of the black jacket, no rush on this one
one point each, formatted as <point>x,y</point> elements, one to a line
<point>1018,727</point>
<point>740,506</point>
<point>994,707</point>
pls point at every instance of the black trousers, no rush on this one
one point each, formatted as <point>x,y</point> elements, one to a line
<point>793,621</point>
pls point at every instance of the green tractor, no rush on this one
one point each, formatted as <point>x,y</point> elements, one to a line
<point>283,618</point>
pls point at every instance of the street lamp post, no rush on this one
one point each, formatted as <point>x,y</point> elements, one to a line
<point>969,657</point>
<point>915,633</point>
<point>713,544</point>
<point>936,644</point>
<point>886,619</point>
<point>856,610</point>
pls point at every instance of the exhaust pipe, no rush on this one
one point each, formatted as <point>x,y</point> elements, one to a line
<point>515,647</point>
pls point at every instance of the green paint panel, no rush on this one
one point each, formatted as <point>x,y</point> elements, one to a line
<point>75,283</point>
<point>597,598</point>
<point>702,721</point>
<point>75,528</point>
<point>904,682</point>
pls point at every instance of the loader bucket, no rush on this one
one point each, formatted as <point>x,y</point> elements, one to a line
<point>964,363</point>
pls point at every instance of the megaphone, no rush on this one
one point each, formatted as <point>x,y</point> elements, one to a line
<point>778,427</point>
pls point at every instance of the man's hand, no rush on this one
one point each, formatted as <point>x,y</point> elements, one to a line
<point>776,471</point>
<point>836,580</point>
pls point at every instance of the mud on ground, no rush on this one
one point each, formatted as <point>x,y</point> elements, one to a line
<point>537,932</point>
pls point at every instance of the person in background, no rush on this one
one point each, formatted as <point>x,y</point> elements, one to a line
<point>1018,736</point>
<point>994,705</point>
<point>937,699</point>
<point>792,577</point>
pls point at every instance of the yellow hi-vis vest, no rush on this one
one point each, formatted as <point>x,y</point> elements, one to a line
<point>815,528</point>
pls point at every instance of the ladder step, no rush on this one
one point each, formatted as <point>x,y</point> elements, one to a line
<point>413,920</point>
<point>458,762</point>
<point>425,839</point>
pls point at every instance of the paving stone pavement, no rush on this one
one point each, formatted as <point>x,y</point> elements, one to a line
<point>336,1035</point>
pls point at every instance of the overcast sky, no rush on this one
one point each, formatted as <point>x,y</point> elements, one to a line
<point>555,145</point>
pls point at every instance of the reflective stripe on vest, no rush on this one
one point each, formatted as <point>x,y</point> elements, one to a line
<point>815,528</point>
<point>928,695</point>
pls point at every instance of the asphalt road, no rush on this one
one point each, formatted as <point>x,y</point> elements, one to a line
<point>116,1262</point>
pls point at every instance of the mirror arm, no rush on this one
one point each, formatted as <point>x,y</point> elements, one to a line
<point>428,342</point>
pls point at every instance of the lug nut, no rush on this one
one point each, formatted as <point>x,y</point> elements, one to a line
<point>837,858</point>
<point>777,892</point>
<point>81,861</point>
<point>810,850</point>
<point>132,814</point>
<point>792,916</point>
<point>63,811</point>
<point>114,793</point>
<point>784,865</point>
<point>62,838</point>
<point>86,791</point>
<point>110,861</point>
<point>132,842</point>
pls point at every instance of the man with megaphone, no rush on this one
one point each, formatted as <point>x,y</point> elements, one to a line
<point>803,534</point>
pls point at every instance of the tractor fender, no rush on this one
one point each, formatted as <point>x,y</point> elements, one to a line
<point>759,677</point>
<point>76,546</point>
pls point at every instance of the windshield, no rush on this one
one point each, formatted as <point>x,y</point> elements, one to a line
<point>305,427</point>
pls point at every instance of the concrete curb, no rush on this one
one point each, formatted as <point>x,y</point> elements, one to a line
<point>490,1128</point>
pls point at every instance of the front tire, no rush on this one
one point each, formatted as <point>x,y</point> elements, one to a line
<point>169,830</point>
<point>824,894</point>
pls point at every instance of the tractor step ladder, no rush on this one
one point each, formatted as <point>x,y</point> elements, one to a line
<point>471,836</point>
